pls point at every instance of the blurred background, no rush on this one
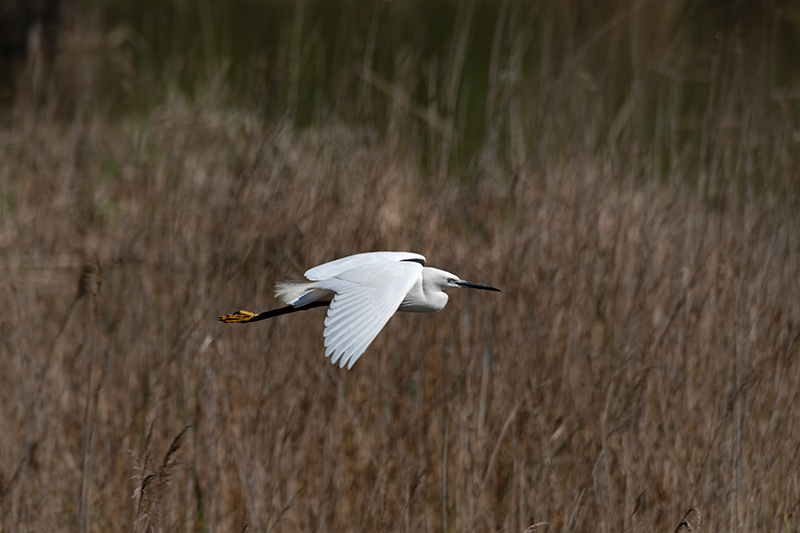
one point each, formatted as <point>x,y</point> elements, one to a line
<point>626,171</point>
<point>486,81</point>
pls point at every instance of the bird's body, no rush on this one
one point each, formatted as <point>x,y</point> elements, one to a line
<point>363,292</point>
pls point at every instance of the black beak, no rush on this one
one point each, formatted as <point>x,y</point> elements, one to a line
<point>476,285</point>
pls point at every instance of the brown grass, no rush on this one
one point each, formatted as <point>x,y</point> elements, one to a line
<point>639,372</point>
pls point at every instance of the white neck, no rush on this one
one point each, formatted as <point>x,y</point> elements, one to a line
<point>427,295</point>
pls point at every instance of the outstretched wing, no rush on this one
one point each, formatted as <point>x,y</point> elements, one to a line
<point>366,298</point>
<point>334,268</point>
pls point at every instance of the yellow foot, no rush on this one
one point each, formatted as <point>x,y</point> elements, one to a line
<point>240,316</point>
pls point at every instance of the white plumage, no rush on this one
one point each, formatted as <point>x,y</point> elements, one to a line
<point>364,291</point>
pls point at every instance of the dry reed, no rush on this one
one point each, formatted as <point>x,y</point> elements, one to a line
<point>639,371</point>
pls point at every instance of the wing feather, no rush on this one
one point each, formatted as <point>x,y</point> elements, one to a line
<point>344,346</point>
<point>334,268</point>
<point>366,297</point>
<point>349,350</point>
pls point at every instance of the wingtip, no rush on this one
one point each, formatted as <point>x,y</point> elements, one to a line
<point>341,358</point>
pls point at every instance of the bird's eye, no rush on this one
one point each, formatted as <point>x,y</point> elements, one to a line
<point>451,280</point>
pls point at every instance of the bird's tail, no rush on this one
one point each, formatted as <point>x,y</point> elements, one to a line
<point>300,293</point>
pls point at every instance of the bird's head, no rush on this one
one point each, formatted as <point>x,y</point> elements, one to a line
<point>444,280</point>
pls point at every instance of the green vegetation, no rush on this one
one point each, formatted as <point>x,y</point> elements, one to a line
<point>627,172</point>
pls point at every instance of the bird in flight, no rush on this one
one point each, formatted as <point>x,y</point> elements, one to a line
<point>362,292</point>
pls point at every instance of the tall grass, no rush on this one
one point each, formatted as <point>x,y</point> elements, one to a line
<point>630,185</point>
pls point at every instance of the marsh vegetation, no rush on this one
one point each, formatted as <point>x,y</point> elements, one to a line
<point>627,172</point>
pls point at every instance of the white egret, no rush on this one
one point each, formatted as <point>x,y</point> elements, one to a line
<point>363,292</point>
